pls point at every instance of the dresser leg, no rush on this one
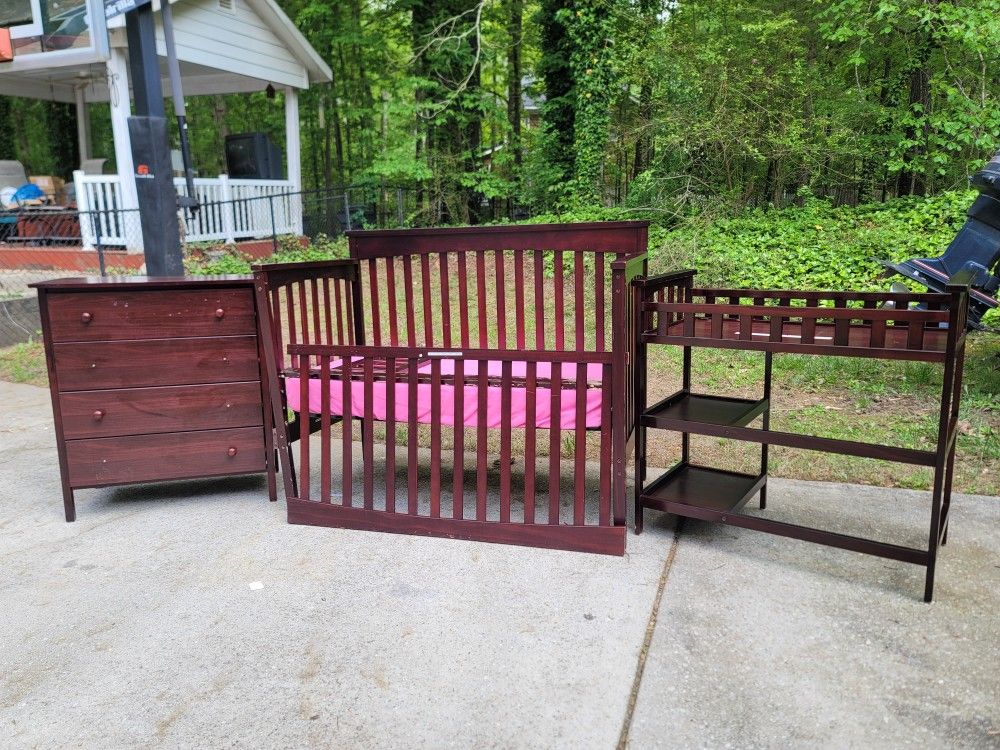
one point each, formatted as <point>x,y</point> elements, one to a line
<point>69,505</point>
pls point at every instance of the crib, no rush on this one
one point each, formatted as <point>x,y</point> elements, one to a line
<point>466,382</point>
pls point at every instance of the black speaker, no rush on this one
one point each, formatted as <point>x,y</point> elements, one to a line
<point>253,156</point>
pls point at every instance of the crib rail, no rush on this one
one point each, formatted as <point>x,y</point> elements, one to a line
<point>346,479</point>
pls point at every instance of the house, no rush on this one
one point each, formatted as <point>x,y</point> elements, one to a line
<point>64,50</point>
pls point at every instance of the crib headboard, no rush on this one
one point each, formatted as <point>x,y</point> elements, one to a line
<point>543,286</point>
<point>315,302</point>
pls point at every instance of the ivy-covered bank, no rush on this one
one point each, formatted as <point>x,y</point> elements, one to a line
<point>812,246</point>
<point>816,245</point>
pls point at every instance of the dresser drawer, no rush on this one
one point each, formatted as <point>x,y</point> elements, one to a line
<point>137,411</point>
<point>108,316</point>
<point>175,455</point>
<point>134,364</point>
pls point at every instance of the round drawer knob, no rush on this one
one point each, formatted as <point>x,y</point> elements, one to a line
<point>86,317</point>
<point>232,451</point>
<point>220,313</point>
<point>98,415</point>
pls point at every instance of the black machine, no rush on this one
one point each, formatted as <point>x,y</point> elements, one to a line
<point>253,156</point>
<point>976,248</point>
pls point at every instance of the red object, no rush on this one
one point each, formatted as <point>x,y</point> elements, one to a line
<point>6,46</point>
<point>422,297</point>
<point>149,383</point>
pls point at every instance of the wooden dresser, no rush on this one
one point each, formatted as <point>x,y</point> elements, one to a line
<point>155,379</point>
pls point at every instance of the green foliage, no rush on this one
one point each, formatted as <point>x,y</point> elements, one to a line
<point>215,261</point>
<point>813,246</point>
<point>638,103</point>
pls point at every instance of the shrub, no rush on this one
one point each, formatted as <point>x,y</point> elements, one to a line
<point>813,246</point>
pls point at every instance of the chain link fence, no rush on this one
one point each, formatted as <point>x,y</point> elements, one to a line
<point>39,241</point>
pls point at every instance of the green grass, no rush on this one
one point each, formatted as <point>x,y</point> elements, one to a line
<point>23,363</point>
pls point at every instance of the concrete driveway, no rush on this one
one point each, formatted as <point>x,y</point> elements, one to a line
<point>190,614</point>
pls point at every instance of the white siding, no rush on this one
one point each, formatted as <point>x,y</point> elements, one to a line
<point>236,41</point>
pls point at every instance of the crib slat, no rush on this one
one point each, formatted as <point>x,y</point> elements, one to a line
<point>604,509</point>
<point>519,297</point>
<point>390,288</point>
<point>411,326</point>
<point>482,383</point>
<point>481,296</point>
<point>338,300</point>
<point>277,331</point>
<point>578,274</point>
<point>458,471</point>
<point>293,336</point>
<point>373,302</point>
<point>411,435</point>
<point>445,300</point>
<point>326,458</point>
<point>304,466</point>
<point>530,449</point>
<point>463,299</point>
<point>390,434</point>
<point>600,320</point>
<point>303,314</point>
<point>501,301</point>
<point>314,301</point>
<point>505,439</point>
<point>327,312</point>
<point>367,438</point>
<point>435,438</point>
<point>425,283</point>
<point>580,460</point>
<point>560,309</point>
<point>347,440</point>
<point>555,440</point>
<point>539,310</point>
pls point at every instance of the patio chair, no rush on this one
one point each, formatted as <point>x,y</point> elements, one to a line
<point>12,174</point>
<point>92,166</point>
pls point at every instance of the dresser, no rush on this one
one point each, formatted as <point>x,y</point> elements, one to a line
<point>155,379</point>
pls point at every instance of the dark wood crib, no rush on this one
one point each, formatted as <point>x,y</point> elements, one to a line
<point>412,375</point>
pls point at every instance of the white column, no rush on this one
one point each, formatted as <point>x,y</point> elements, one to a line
<point>121,108</point>
<point>228,217</point>
<point>87,231</point>
<point>293,153</point>
<point>82,124</point>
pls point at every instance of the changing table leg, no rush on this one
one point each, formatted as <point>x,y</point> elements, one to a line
<point>766,425</point>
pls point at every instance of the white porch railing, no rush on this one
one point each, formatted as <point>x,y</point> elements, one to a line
<point>230,210</point>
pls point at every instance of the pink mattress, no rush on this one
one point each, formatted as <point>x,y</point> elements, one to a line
<point>518,396</point>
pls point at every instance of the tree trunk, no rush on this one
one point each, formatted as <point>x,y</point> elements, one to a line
<point>515,18</point>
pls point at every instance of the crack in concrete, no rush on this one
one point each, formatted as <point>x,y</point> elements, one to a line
<point>648,638</point>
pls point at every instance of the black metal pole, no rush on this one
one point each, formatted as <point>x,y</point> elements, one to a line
<point>154,184</point>
<point>190,201</point>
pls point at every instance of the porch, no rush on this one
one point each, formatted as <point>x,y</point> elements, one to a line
<point>222,48</point>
